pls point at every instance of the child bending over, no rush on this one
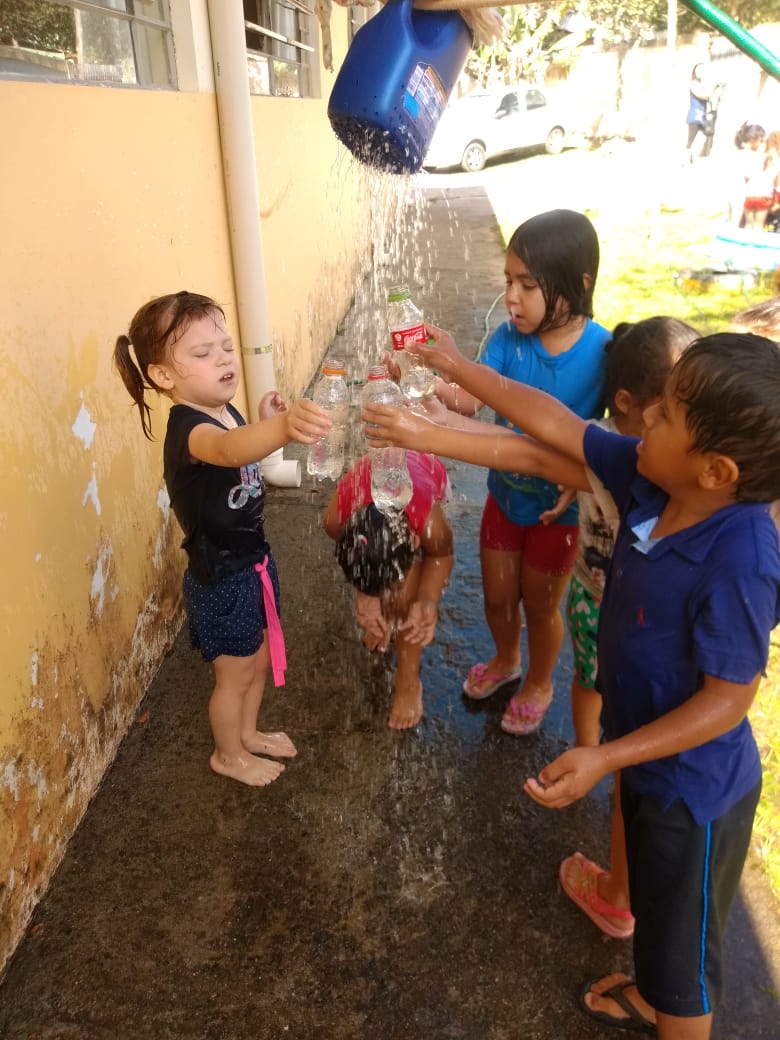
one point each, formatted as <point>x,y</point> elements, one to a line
<point>399,564</point>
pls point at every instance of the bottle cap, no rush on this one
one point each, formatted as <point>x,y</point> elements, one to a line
<point>378,372</point>
<point>333,366</point>
<point>398,292</point>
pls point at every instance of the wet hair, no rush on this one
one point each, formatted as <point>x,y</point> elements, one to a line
<point>560,248</point>
<point>640,356</point>
<point>163,319</point>
<point>375,549</point>
<point>730,386</point>
<point>748,133</point>
<point>762,318</point>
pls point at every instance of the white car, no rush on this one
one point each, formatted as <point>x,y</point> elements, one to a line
<point>492,122</point>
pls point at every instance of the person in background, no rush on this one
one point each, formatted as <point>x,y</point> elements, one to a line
<point>178,346</point>
<point>550,342</point>
<point>772,166</point>
<point>703,98</point>
<point>752,185</point>
<point>399,564</point>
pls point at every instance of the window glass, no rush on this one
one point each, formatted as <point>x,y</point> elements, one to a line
<point>280,47</point>
<point>535,99</point>
<point>44,39</point>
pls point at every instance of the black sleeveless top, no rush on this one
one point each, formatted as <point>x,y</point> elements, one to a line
<point>219,508</point>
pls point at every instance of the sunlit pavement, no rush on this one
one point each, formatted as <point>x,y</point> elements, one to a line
<point>388,886</point>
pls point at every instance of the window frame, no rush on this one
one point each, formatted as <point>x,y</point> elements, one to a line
<point>140,52</point>
<point>266,57</point>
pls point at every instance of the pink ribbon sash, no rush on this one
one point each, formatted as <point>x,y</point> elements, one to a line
<point>276,648</point>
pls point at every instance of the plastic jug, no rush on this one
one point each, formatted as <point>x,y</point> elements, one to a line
<point>394,84</point>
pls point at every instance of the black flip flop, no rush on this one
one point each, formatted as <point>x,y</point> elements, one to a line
<point>635,1023</point>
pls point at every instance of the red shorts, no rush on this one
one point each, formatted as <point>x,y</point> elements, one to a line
<point>549,548</point>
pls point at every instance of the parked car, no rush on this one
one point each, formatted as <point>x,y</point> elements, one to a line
<point>492,122</point>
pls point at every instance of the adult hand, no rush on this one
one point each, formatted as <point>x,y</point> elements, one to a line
<point>568,778</point>
<point>307,422</point>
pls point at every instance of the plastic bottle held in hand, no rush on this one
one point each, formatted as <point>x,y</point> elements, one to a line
<point>391,485</point>
<point>405,321</point>
<point>326,456</point>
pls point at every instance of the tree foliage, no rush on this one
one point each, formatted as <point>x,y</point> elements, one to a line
<point>535,37</point>
<point>37,25</point>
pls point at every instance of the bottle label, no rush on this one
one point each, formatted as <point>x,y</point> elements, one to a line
<point>400,337</point>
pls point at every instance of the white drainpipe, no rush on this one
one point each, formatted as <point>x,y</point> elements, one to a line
<point>228,48</point>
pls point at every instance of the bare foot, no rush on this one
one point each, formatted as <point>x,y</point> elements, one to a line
<point>606,1005</point>
<point>256,772</point>
<point>407,707</point>
<point>277,745</point>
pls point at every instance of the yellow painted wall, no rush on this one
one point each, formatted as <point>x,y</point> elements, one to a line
<point>313,201</point>
<point>111,197</point>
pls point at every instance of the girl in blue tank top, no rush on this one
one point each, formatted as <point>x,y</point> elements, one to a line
<point>550,342</point>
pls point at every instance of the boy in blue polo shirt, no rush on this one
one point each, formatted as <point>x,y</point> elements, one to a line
<point>692,594</point>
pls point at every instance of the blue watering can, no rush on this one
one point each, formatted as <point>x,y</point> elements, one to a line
<point>394,84</point>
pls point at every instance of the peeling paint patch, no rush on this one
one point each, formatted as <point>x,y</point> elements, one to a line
<point>37,702</point>
<point>164,503</point>
<point>83,427</point>
<point>37,780</point>
<point>97,592</point>
<point>9,779</point>
<point>34,668</point>
<point>91,494</point>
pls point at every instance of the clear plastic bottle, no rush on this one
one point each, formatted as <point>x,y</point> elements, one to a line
<point>326,456</point>
<point>406,325</point>
<point>391,485</point>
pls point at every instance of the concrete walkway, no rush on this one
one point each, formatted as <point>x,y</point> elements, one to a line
<point>388,886</point>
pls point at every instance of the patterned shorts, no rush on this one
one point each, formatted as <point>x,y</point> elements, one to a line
<point>229,617</point>
<point>582,614</point>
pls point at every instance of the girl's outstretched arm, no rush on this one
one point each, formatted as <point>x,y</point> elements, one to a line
<point>534,411</point>
<point>304,422</point>
<point>482,444</point>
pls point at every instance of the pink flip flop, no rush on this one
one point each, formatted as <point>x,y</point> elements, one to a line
<point>523,719</point>
<point>480,674</point>
<point>587,898</point>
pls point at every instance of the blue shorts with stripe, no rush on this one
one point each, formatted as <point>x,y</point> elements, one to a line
<point>683,879</point>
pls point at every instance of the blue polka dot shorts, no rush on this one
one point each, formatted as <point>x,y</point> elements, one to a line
<point>229,617</point>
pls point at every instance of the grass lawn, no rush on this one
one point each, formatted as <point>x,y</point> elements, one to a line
<point>642,252</point>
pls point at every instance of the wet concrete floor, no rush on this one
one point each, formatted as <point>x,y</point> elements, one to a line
<point>388,886</point>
